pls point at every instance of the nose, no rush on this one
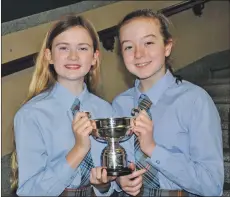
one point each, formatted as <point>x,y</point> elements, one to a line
<point>73,55</point>
<point>139,52</point>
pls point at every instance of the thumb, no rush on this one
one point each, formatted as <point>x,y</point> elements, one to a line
<point>132,166</point>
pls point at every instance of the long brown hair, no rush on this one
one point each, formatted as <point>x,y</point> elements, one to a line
<point>44,76</point>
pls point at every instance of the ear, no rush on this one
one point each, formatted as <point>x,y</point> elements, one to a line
<point>48,56</point>
<point>168,47</point>
<point>95,57</point>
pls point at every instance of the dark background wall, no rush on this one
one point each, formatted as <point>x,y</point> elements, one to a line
<point>14,9</point>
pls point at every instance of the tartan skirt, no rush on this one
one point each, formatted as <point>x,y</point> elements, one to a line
<point>157,192</point>
<point>81,192</point>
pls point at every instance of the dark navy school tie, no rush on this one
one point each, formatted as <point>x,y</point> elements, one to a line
<point>87,163</point>
<point>150,179</point>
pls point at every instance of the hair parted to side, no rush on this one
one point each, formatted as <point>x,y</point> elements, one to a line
<point>44,76</point>
<point>164,29</point>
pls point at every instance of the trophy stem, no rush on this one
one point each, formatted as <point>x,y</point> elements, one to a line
<point>113,143</point>
<point>113,156</point>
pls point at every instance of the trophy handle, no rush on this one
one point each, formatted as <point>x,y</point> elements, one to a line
<point>94,130</point>
<point>126,138</point>
<point>135,111</point>
<point>88,114</point>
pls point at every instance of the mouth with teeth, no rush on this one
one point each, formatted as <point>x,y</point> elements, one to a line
<point>73,66</point>
<point>143,64</point>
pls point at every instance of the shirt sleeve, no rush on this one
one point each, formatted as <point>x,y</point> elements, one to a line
<point>201,172</point>
<point>113,187</point>
<point>36,177</point>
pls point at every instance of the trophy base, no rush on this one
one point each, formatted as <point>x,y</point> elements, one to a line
<point>119,172</point>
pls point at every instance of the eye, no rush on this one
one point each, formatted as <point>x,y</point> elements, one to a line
<point>63,48</point>
<point>149,43</point>
<point>127,48</point>
<point>83,49</point>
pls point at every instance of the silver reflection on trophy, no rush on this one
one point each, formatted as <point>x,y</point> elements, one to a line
<point>113,131</point>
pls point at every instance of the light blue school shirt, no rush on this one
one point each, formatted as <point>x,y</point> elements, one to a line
<point>187,133</point>
<point>44,136</point>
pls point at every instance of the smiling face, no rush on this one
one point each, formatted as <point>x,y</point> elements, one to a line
<point>143,48</point>
<point>72,54</point>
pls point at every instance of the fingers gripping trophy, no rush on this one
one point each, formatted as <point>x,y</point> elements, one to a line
<point>113,131</point>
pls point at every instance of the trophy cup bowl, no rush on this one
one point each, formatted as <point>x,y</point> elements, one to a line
<point>113,131</point>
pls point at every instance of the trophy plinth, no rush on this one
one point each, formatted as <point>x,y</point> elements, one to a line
<point>113,131</point>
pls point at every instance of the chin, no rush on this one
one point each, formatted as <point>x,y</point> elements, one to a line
<point>143,76</point>
<point>146,75</point>
<point>75,78</point>
<point>72,78</point>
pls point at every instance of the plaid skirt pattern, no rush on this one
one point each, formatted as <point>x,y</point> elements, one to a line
<point>158,192</point>
<point>81,192</point>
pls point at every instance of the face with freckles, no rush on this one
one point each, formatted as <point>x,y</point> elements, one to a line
<point>143,48</point>
<point>72,54</point>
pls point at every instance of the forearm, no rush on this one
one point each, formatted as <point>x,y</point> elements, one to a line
<point>51,180</point>
<point>202,178</point>
<point>75,157</point>
<point>104,190</point>
<point>48,181</point>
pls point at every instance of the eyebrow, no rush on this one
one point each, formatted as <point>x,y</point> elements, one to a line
<point>149,35</point>
<point>66,43</point>
<point>85,44</point>
<point>60,43</point>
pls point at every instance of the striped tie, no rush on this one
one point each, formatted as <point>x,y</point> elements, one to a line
<point>87,163</point>
<point>150,179</point>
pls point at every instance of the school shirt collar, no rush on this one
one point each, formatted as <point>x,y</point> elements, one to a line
<point>157,90</point>
<point>66,98</point>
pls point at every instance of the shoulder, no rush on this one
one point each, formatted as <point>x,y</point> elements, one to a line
<point>25,116</point>
<point>123,103</point>
<point>186,88</point>
<point>192,94</point>
<point>98,101</point>
<point>125,96</point>
<point>34,106</point>
<point>99,107</point>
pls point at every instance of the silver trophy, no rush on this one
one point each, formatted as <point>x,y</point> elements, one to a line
<point>113,131</point>
<point>113,156</point>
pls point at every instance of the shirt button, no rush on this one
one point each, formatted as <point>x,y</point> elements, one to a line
<point>157,161</point>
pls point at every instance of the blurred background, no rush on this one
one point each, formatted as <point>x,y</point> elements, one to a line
<point>201,53</point>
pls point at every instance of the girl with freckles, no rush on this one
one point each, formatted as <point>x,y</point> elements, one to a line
<point>177,146</point>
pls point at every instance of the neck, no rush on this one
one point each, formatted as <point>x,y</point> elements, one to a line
<point>75,86</point>
<point>147,83</point>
